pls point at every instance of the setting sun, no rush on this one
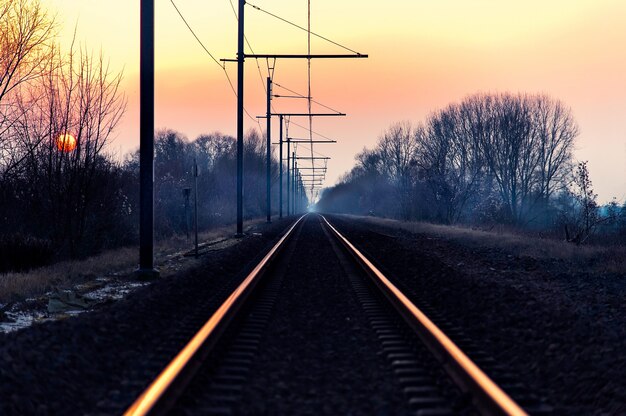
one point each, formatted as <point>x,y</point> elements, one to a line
<point>66,142</point>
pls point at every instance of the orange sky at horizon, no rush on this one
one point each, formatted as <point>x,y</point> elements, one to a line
<point>423,55</point>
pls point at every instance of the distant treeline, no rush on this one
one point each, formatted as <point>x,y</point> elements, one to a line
<point>491,159</point>
<point>216,157</point>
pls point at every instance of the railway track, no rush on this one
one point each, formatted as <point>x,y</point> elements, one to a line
<point>316,328</point>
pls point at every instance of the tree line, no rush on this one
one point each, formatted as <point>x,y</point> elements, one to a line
<point>490,159</point>
<point>63,198</point>
<point>215,155</point>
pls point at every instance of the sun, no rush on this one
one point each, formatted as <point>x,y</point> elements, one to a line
<point>66,142</point>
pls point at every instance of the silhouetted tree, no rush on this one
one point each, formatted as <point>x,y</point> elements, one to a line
<point>397,149</point>
<point>81,97</point>
<point>529,150</point>
<point>45,94</point>
<point>216,157</point>
<point>587,217</point>
<point>450,157</point>
<point>27,33</point>
<point>491,158</point>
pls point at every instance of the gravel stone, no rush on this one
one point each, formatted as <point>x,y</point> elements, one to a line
<point>99,362</point>
<point>559,330</point>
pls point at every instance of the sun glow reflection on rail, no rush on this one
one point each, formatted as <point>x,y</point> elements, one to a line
<point>497,395</point>
<point>151,396</point>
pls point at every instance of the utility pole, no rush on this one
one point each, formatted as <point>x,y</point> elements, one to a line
<point>280,171</point>
<point>186,195</point>
<point>240,61</point>
<point>269,150</point>
<point>146,270</point>
<point>300,189</point>
<point>311,141</point>
<point>195,203</point>
<point>292,140</point>
<point>241,55</point>
<point>268,116</point>
<point>299,193</point>
<point>288,177</point>
<point>293,191</point>
<point>323,170</point>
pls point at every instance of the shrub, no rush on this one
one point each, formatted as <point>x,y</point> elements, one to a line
<point>21,253</point>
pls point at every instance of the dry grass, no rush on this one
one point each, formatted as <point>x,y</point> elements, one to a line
<point>593,258</point>
<point>14,286</point>
<point>119,262</point>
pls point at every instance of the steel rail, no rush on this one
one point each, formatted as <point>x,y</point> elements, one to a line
<point>158,395</point>
<point>487,396</point>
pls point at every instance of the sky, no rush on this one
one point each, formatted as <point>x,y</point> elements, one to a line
<point>423,55</point>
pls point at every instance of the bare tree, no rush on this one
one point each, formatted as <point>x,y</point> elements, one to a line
<point>450,155</point>
<point>397,148</point>
<point>586,220</point>
<point>26,35</point>
<point>501,153</point>
<point>211,147</point>
<point>79,96</point>
<point>556,130</point>
<point>528,151</point>
<point>508,151</point>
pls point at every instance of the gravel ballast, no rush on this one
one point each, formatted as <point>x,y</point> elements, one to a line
<point>99,362</point>
<point>320,354</point>
<point>559,328</point>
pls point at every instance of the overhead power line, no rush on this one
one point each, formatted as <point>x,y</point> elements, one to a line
<point>302,28</point>
<point>308,35</point>
<point>307,129</point>
<point>232,6</point>
<point>223,67</point>
<point>298,95</point>
<point>196,36</point>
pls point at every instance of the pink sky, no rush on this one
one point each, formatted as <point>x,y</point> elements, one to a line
<point>423,55</point>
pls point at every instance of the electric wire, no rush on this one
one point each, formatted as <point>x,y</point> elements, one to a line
<point>298,95</point>
<point>309,81</point>
<point>309,34</point>
<point>314,132</point>
<point>194,34</point>
<point>269,74</point>
<point>308,97</point>
<point>223,67</point>
<point>302,28</point>
<point>232,6</point>
<point>307,146</point>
